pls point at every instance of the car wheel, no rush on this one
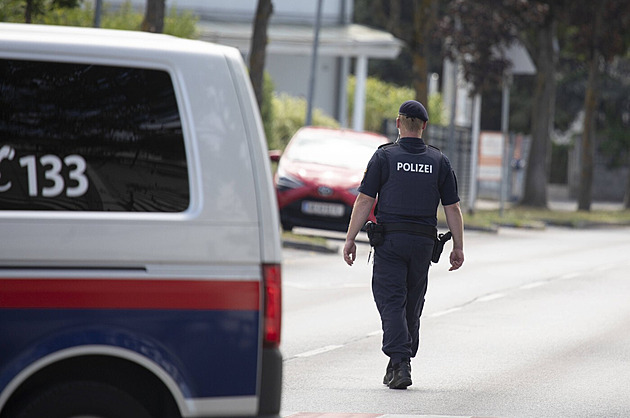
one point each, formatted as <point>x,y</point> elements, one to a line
<point>287,227</point>
<point>82,399</point>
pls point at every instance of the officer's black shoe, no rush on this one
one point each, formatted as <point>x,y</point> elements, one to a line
<point>389,373</point>
<point>401,375</point>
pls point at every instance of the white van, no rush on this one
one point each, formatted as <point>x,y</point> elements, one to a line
<point>140,252</point>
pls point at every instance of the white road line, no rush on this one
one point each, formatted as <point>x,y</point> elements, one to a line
<point>445,312</point>
<point>325,286</point>
<point>533,285</point>
<point>490,297</point>
<point>319,351</point>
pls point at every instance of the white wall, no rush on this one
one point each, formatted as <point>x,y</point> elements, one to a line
<point>291,74</point>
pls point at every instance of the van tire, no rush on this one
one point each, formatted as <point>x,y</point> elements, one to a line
<point>82,398</point>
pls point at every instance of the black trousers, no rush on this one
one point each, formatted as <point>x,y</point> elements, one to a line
<point>399,284</point>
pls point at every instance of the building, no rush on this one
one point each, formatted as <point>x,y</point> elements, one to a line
<point>344,47</point>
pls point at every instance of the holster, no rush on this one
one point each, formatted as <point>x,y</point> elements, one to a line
<point>439,246</point>
<point>375,233</point>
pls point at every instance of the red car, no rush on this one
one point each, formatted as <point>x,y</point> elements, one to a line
<point>319,174</point>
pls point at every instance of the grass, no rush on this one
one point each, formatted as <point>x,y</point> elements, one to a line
<point>523,217</point>
<point>305,239</point>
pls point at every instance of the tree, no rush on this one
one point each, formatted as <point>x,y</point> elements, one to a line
<point>540,43</point>
<point>413,22</point>
<point>615,142</point>
<point>154,16</point>
<point>533,23</point>
<point>258,48</point>
<point>599,34</point>
<point>34,8</point>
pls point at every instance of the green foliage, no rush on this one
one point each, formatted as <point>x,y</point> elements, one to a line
<point>80,16</point>
<point>12,10</point>
<point>383,99</point>
<point>125,17</point>
<point>437,112</point>
<point>61,12</point>
<point>526,217</point>
<point>182,24</point>
<point>289,116</point>
<point>266,107</point>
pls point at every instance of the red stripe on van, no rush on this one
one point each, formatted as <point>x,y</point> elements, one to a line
<point>129,294</point>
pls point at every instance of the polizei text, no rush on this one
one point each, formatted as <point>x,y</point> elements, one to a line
<point>414,167</point>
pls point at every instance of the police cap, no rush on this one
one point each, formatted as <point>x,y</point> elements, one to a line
<point>413,109</point>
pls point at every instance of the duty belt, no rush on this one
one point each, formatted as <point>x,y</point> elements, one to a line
<point>411,228</point>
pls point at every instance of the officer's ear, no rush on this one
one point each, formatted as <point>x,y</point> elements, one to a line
<point>424,125</point>
<point>398,122</point>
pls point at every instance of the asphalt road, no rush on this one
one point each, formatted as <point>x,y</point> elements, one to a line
<point>535,324</point>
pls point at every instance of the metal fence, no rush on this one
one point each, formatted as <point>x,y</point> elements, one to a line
<point>458,151</point>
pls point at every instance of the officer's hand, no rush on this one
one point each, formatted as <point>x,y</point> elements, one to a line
<point>349,252</point>
<point>456,258</point>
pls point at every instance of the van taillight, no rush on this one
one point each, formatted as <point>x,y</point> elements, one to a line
<point>273,304</point>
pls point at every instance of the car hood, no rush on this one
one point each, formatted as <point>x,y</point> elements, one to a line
<point>311,173</point>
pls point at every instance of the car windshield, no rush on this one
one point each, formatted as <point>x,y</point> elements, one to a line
<point>337,151</point>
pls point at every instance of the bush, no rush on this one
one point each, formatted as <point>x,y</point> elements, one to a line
<point>437,112</point>
<point>382,101</point>
<point>289,115</point>
<point>183,25</point>
<point>267,108</point>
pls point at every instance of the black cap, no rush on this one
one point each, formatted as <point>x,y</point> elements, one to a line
<point>413,109</point>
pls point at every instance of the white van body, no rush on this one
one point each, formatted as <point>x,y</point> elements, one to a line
<point>119,265</point>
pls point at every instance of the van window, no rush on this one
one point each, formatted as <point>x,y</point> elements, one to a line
<point>79,137</point>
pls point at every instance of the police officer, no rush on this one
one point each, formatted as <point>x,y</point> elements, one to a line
<point>410,179</point>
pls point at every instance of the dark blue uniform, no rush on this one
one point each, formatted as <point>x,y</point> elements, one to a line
<point>410,179</point>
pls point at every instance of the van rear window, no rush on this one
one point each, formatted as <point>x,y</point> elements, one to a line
<point>80,137</point>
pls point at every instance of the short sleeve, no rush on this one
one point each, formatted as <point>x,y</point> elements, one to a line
<point>448,184</point>
<point>371,183</point>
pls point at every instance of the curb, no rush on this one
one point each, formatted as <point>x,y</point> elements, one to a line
<point>306,246</point>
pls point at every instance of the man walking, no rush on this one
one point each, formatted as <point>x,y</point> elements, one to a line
<point>410,179</point>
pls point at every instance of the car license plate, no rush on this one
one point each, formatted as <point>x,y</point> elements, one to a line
<point>323,209</point>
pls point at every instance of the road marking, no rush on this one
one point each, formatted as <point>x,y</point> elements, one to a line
<point>445,312</point>
<point>325,286</point>
<point>319,351</point>
<point>375,333</point>
<point>490,297</point>
<point>533,285</point>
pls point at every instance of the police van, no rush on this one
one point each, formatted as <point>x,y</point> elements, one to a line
<point>140,252</point>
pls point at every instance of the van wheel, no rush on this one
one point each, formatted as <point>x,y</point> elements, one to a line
<point>80,399</point>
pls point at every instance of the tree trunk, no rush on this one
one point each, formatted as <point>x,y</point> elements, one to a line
<point>28,12</point>
<point>258,48</point>
<point>154,16</point>
<point>546,58</point>
<point>423,24</point>
<point>585,191</point>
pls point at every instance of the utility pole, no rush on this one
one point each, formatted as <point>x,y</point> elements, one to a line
<point>311,84</point>
<point>98,7</point>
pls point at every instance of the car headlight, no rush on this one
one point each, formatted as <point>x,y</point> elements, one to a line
<point>354,191</point>
<point>287,181</point>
